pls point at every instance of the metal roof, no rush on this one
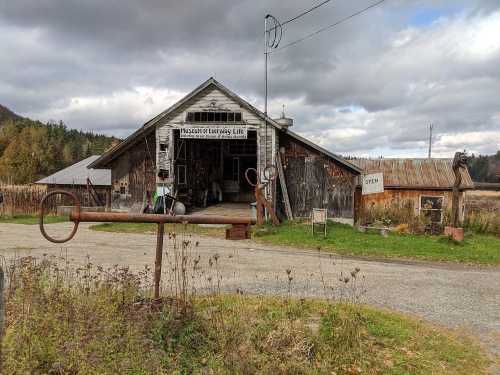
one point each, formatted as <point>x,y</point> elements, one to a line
<point>151,125</point>
<point>415,173</point>
<point>77,174</point>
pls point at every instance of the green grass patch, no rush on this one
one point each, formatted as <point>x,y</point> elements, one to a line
<point>149,228</point>
<point>96,321</point>
<point>343,239</point>
<point>32,219</point>
<point>265,335</point>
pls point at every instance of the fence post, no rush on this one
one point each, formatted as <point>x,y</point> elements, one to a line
<point>158,259</point>
<point>2,317</point>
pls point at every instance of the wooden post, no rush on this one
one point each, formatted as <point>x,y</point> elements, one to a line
<point>459,162</point>
<point>158,259</point>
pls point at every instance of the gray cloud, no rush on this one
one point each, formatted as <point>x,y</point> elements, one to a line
<point>371,85</point>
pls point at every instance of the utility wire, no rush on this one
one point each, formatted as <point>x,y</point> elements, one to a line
<point>327,27</point>
<point>303,13</point>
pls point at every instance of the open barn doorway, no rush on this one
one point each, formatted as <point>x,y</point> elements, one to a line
<point>211,172</point>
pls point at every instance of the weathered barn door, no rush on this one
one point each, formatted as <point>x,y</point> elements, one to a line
<point>314,182</point>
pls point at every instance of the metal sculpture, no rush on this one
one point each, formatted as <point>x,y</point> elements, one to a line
<point>270,173</point>
<point>239,224</point>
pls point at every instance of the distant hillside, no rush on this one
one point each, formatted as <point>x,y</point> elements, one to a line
<point>7,114</point>
<point>30,150</point>
<point>482,168</point>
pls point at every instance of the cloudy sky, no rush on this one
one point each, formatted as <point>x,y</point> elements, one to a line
<point>370,86</point>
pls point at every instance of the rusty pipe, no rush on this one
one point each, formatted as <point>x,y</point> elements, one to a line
<point>158,259</point>
<point>121,217</point>
<point>78,216</point>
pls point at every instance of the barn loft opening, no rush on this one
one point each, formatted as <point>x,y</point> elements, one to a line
<point>211,171</point>
<point>213,117</point>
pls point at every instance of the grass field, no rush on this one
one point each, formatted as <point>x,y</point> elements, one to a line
<point>343,239</point>
<point>32,219</point>
<point>79,321</point>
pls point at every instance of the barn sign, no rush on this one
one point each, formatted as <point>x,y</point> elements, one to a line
<point>372,183</point>
<point>214,132</point>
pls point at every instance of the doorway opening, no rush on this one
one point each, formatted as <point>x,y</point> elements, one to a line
<point>209,172</point>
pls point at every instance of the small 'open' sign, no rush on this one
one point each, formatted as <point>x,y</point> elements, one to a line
<point>372,183</point>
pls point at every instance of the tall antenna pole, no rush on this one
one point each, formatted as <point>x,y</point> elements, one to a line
<point>431,126</point>
<point>266,42</point>
<point>269,43</point>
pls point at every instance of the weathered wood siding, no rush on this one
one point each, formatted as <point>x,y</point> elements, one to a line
<point>403,198</point>
<point>209,98</point>
<point>133,173</point>
<point>316,181</point>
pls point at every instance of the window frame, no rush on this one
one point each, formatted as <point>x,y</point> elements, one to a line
<point>214,117</point>
<point>421,209</point>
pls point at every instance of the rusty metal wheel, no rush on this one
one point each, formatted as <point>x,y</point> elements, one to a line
<point>270,172</point>
<point>42,214</point>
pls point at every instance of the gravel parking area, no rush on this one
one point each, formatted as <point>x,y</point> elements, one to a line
<point>456,296</point>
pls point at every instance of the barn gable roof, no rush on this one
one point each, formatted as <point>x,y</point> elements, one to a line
<point>77,174</point>
<point>417,174</point>
<point>150,125</point>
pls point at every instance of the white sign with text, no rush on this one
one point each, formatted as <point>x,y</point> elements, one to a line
<point>214,132</point>
<point>372,183</point>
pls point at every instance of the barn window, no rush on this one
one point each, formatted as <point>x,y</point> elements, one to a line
<point>432,208</point>
<point>213,117</point>
<point>163,147</point>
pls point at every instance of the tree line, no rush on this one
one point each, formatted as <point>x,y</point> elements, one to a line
<point>482,168</point>
<point>30,150</point>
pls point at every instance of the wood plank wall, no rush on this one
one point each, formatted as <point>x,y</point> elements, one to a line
<point>316,181</point>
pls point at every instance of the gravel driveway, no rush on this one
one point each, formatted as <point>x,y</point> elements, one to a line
<point>463,297</point>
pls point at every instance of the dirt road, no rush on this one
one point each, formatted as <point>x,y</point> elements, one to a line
<point>452,295</point>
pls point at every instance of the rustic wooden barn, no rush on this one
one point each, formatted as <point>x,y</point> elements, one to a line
<point>423,184</point>
<point>91,186</point>
<point>200,148</point>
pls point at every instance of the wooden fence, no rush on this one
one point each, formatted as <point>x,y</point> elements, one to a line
<point>21,199</point>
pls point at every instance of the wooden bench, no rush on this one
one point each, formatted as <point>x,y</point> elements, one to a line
<point>384,231</point>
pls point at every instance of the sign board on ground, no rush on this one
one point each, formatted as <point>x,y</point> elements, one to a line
<point>214,132</point>
<point>319,215</point>
<point>372,183</point>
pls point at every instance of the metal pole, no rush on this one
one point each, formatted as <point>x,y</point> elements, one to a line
<point>2,316</point>
<point>158,259</point>
<point>265,91</point>
<point>430,140</point>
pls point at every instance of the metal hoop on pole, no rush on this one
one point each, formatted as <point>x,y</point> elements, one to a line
<point>75,216</point>
<point>248,178</point>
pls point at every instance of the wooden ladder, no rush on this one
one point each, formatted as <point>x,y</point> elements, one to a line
<point>284,189</point>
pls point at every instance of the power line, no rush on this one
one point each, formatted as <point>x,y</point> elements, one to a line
<point>305,12</point>
<point>300,15</point>
<point>328,26</point>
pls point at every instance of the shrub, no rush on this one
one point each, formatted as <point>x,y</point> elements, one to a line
<point>393,215</point>
<point>483,222</point>
<point>86,323</point>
